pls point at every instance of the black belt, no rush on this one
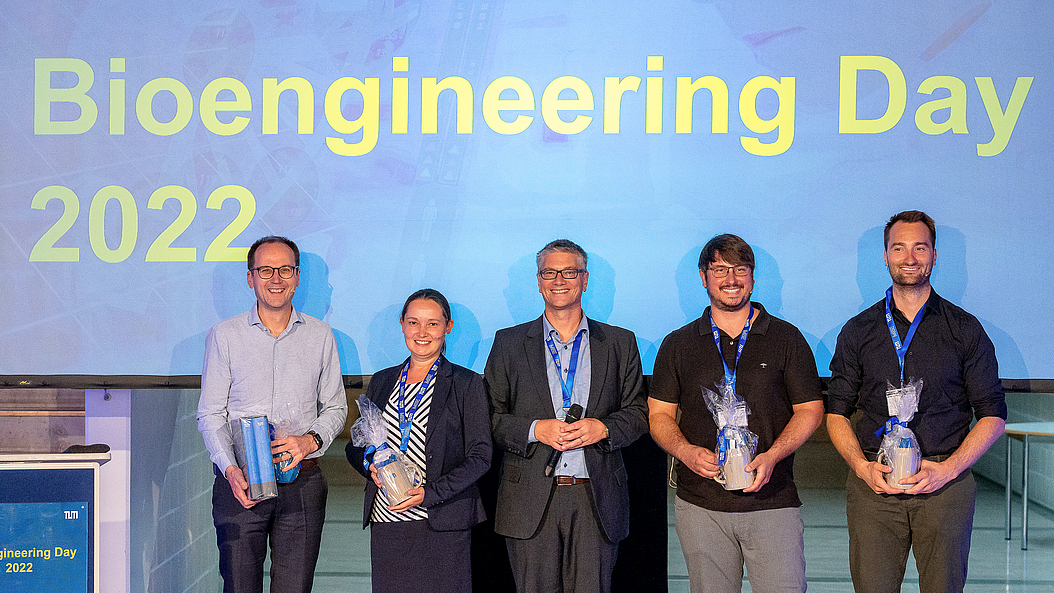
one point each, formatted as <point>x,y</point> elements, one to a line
<point>873,456</point>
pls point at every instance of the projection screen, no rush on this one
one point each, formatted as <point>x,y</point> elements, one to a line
<point>404,144</point>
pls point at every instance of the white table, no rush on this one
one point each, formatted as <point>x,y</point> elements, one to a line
<point>1023,431</point>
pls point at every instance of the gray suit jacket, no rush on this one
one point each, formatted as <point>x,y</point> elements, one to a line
<point>518,389</point>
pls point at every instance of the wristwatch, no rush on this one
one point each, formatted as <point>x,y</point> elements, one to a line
<point>318,440</point>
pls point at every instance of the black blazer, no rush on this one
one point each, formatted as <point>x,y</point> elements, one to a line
<point>518,389</point>
<point>457,446</point>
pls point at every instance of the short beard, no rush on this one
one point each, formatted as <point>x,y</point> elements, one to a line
<point>720,305</point>
<point>901,279</point>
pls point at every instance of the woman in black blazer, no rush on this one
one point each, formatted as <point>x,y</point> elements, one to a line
<point>423,543</point>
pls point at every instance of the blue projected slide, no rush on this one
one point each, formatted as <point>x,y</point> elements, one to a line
<point>403,144</point>
<point>43,547</point>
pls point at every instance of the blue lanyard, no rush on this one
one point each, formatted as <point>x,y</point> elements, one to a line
<point>901,348</point>
<point>730,375</point>
<point>406,418</point>
<point>569,384</point>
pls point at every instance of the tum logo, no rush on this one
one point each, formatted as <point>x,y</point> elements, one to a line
<point>71,514</point>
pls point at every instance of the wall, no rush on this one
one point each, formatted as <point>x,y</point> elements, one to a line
<point>172,537</point>
<point>41,420</point>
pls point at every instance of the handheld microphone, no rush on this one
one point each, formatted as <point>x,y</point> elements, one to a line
<point>574,414</point>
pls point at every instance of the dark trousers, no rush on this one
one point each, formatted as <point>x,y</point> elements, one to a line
<point>883,528</point>
<point>291,523</point>
<point>570,553</point>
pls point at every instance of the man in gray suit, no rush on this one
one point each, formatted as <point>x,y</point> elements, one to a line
<point>563,523</point>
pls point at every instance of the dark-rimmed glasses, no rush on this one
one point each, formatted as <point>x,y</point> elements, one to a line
<point>722,271</point>
<point>567,273</point>
<point>285,272</point>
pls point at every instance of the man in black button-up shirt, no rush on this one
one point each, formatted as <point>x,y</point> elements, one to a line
<point>956,361</point>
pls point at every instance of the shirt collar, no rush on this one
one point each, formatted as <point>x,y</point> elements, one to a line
<point>254,318</point>
<point>933,304</point>
<point>760,325</point>
<point>548,329</point>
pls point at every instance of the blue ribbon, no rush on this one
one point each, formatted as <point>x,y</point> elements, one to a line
<point>566,387</point>
<point>722,445</point>
<point>369,450</point>
<point>730,375</point>
<point>888,426</point>
<point>901,348</point>
<point>406,418</point>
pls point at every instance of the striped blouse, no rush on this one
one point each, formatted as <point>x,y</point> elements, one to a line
<point>415,452</point>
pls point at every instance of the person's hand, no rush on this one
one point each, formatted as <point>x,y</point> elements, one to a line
<point>417,496</point>
<point>931,477</point>
<point>239,485</point>
<point>764,463</point>
<point>376,477</point>
<point>549,432</point>
<point>873,474</point>
<point>583,433</point>
<point>700,460</point>
<point>295,448</point>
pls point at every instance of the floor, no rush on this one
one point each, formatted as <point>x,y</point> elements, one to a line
<point>995,563</point>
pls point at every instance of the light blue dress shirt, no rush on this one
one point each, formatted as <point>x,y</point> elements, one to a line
<point>573,461</point>
<point>293,379</point>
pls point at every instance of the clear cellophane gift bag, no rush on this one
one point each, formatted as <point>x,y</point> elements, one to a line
<point>735,443</point>
<point>398,474</point>
<point>899,448</point>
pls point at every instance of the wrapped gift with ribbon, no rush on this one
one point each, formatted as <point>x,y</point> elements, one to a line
<point>398,474</point>
<point>735,443</point>
<point>900,449</point>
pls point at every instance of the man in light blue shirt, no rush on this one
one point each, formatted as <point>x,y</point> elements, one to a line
<point>278,362</point>
<point>563,526</point>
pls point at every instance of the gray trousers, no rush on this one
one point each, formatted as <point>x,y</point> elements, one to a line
<point>716,545</point>
<point>570,553</point>
<point>884,527</point>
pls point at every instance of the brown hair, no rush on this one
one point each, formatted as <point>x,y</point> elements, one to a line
<point>251,259</point>
<point>732,249</point>
<point>910,216</point>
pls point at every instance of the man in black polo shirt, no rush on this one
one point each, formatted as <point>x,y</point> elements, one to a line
<point>776,375</point>
<point>949,351</point>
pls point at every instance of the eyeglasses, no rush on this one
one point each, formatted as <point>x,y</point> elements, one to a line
<point>722,271</point>
<point>567,273</point>
<point>285,272</point>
